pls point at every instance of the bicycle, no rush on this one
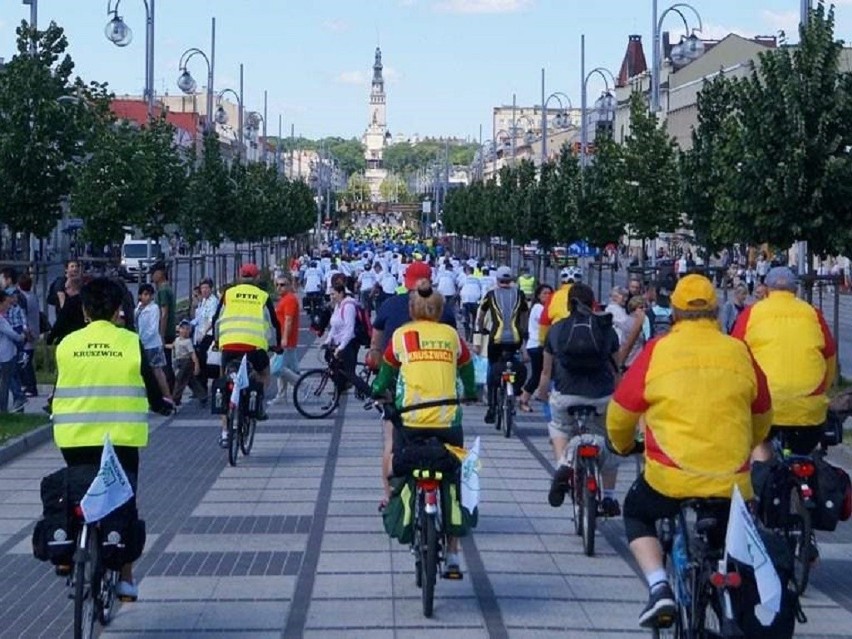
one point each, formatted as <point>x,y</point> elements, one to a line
<point>586,482</point>
<point>94,586</point>
<point>316,393</point>
<point>505,417</point>
<point>240,421</point>
<point>702,581</point>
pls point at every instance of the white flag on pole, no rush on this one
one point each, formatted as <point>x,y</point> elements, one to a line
<point>470,478</point>
<point>240,383</point>
<point>110,488</point>
<point>743,543</point>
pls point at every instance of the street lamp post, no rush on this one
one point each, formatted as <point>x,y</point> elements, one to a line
<point>222,115</point>
<point>187,83</point>
<point>121,35</point>
<point>690,49</point>
<point>33,4</point>
<point>605,104</point>
<point>562,120</point>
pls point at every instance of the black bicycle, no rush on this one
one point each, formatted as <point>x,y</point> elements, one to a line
<point>317,392</point>
<point>94,586</point>
<point>241,423</point>
<point>587,482</point>
<point>505,417</point>
<point>703,583</point>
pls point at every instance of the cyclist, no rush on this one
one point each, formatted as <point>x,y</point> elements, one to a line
<point>506,307</point>
<point>794,346</point>
<point>470,292</point>
<point>312,286</point>
<point>582,377</point>
<point>421,363</point>
<point>697,445</point>
<point>245,323</point>
<point>104,387</point>
<point>558,308</point>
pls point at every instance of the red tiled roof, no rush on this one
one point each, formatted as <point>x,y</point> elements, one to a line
<point>634,61</point>
<point>137,111</point>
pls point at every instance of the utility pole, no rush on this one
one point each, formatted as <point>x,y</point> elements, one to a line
<point>802,246</point>
<point>33,4</point>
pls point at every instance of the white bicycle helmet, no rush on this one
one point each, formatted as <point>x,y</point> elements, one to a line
<point>571,274</point>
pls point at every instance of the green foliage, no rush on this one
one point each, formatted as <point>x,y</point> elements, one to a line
<point>405,158</point>
<point>209,201</point>
<point>350,153</point>
<point>394,189</point>
<point>602,192</point>
<point>357,189</point>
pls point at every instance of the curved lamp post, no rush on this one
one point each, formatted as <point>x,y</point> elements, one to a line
<point>562,119</point>
<point>121,35</point>
<point>689,49</point>
<point>221,116</point>
<point>605,104</point>
<point>187,84</point>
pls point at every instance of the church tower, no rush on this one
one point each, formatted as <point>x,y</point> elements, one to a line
<point>376,135</point>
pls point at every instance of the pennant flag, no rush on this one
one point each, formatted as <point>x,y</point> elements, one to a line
<point>470,478</point>
<point>743,543</point>
<point>241,382</point>
<point>110,488</point>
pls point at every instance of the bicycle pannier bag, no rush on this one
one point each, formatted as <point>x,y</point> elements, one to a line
<point>457,520</point>
<point>831,489</point>
<point>398,515</point>
<point>220,396</point>
<point>430,454</point>
<point>122,536</point>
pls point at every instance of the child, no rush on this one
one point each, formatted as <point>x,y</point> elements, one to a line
<point>186,364</point>
<point>147,318</point>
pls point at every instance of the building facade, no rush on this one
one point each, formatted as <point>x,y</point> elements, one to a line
<point>377,135</point>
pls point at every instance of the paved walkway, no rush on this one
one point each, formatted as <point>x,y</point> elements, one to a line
<point>289,544</point>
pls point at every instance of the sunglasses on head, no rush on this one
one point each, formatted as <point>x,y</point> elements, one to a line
<point>280,283</point>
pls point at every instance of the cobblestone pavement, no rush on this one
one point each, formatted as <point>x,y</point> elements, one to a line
<point>289,544</point>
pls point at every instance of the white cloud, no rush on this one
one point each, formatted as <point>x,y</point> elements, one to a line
<point>336,26</point>
<point>787,21</point>
<point>391,75</point>
<point>718,32</point>
<point>352,77</point>
<point>483,6</point>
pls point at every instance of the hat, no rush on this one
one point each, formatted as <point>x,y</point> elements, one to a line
<point>249,270</point>
<point>504,274</point>
<point>184,322</point>
<point>694,293</point>
<point>781,277</point>
<point>416,272</point>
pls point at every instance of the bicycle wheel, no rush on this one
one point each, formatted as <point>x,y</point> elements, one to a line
<point>430,565</point>
<point>84,590</point>
<point>315,394</point>
<point>800,536</point>
<point>508,414</point>
<point>248,425</point>
<point>233,439</point>
<point>589,517</point>
<point>577,498</point>
<point>106,606</point>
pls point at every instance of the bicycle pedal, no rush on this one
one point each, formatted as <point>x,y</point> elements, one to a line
<point>665,621</point>
<point>126,599</point>
<point>454,575</point>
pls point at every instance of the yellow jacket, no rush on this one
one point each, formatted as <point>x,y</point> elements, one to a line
<point>794,347</point>
<point>555,310</point>
<point>706,404</point>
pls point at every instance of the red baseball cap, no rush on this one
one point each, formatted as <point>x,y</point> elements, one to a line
<point>415,272</point>
<point>249,270</point>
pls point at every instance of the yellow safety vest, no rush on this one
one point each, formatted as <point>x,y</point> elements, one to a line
<point>100,389</point>
<point>242,320</point>
<point>527,284</point>
<point>401,289</point>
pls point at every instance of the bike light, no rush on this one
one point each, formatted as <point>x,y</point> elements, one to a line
<point>78,512</point>
<point>429,485</point>
<point>803,469</point>
<point>806,491</point>
<point>733,580</point>
<point>592,484</point>
<point>509,377</point>
<point>717,579</point>
<point>588,451</point>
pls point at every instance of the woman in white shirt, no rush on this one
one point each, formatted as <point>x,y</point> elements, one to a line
<point>534,347</point>
<point>341,332</point>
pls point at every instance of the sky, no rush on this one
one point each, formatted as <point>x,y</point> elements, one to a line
<point>447,62</point>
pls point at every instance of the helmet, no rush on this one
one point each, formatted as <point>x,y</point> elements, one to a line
<point>571,274</point>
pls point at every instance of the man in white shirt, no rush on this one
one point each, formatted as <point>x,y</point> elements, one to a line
<point>486,282</point>
<point>446,285</point>
<point>312,284</point>
<point>147,318</point>
<point>366,281</point>
<point>470,293</point>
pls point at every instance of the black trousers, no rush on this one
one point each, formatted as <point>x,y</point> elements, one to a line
<point>128,456</point>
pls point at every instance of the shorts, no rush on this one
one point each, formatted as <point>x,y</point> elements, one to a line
<point>801,440</point>
<point>564,425</point>
<point>258,358</point>
<point>156,357</point>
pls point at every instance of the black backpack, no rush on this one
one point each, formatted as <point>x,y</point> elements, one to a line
<point>583,342</point>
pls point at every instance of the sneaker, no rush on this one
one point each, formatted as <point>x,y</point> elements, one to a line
<point>127,591</point>
<point>490,418</point>
<point>223,440</point>
<point>262,416</point>
<point>661,608</point>
<point>560,484</point>
<point>452,567</point>
<point>18,407</point>
<point>609,507</point>
<point>278,399</point>
<point>63,570</point>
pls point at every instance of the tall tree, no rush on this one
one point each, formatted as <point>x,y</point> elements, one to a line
<point>650,200</point>
<point>600,220</point>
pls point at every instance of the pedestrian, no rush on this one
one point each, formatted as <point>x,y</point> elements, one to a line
<point>147,318</point>
<point>17,317</point>
<point>203,326</point>
<point>168,314</point>
<point>287,311</point>
<point>540,297</point>
<point>10,341</point>
<point>28,378</point>
<point>70,317</point>
<point>732,308</point>
<point>56,294</point>
<point>187,366</point>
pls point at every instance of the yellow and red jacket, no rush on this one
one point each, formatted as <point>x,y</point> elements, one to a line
<point>556,309</point>
<point>794,347</point>
<point>706,406</point>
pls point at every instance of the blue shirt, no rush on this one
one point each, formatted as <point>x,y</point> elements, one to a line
<point>393,313</point>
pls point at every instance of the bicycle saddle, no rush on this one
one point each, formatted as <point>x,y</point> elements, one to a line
<point>582,410</point>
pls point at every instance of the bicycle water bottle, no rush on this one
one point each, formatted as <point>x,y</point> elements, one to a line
<point>217,400</point>
<point>252,402</point>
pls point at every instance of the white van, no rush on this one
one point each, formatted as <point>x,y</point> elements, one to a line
<point>135,257</point>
